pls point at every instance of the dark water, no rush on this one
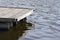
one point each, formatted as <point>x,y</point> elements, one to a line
<point>15,32</point>
<point>46,20</point>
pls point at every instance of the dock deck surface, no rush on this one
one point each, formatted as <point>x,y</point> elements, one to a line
<point>14,13</point>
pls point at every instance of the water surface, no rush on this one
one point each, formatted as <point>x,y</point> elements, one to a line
<point>45,19</point>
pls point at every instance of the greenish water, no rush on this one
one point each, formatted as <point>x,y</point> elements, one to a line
<point>15,32</point>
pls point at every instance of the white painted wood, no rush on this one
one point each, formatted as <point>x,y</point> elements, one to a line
<point>14,13</point>
<point>25,15</point>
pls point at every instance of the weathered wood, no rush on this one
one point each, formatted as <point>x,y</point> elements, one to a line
<point>14,13</point>
<point>10,16</point>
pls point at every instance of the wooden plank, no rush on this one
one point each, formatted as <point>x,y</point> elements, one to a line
<point>14,13</point>
<point>24,15</point>
<point>7,12</point>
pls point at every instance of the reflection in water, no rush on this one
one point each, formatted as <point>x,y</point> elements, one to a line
<point>46,19</point>
<point>15,32</point>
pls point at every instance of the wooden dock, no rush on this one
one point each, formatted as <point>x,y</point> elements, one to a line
<point>10,15</point>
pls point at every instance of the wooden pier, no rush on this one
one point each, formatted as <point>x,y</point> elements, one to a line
<point>11,15</point>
